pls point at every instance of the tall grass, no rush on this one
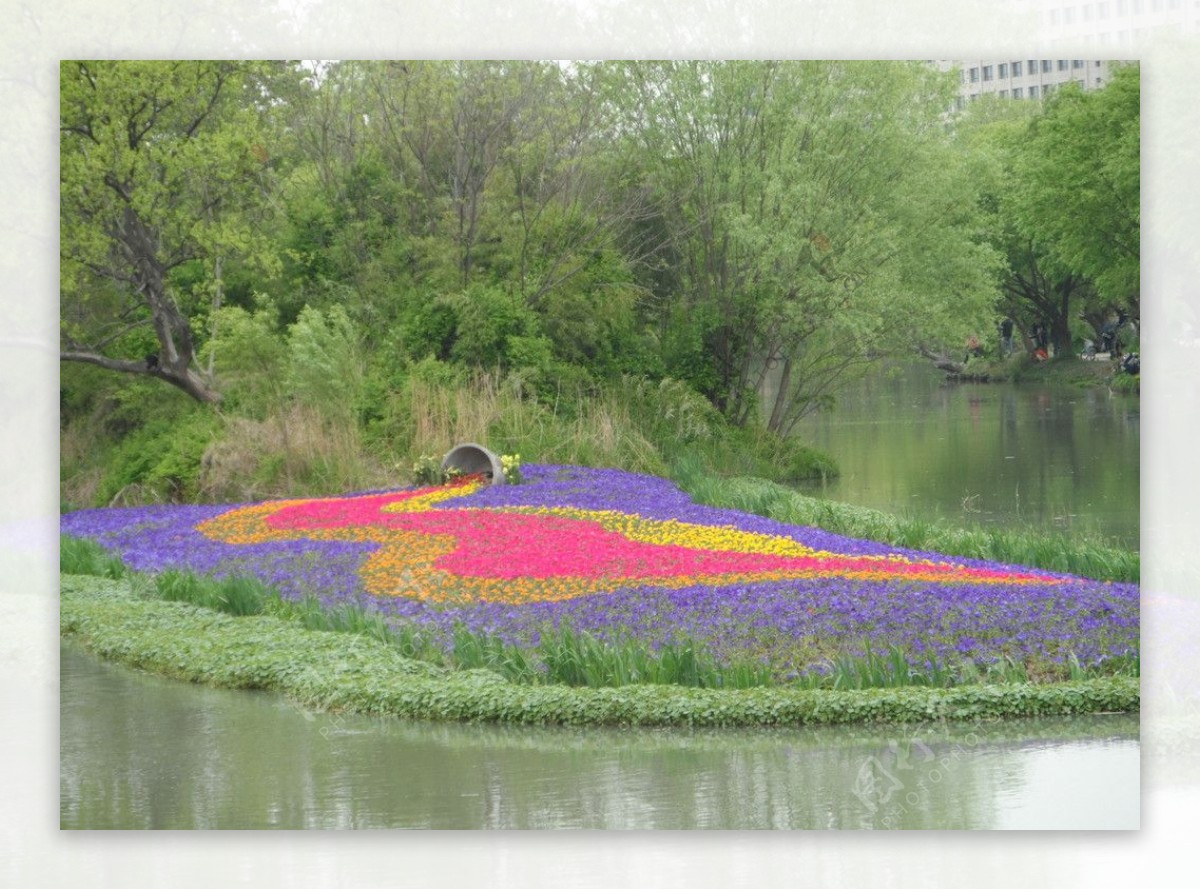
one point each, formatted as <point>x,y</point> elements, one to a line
<point>295,451</point>
<point>579,659</point>
<point>595,429</point>
<point>235,595</point>
<point>78,556</point>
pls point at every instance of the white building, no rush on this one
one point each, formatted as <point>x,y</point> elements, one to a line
<point>1023,78</point>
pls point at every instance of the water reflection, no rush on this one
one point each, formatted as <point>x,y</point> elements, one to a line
<point>1057,457</point>
<point>139,751</point>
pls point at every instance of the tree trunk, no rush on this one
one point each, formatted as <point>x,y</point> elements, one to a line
<point>941,361</point>
<point>1060,324</point>
<point>782,397</point>
<point>176,356</point>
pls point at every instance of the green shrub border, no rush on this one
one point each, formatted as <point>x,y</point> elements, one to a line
<point>350,672</point>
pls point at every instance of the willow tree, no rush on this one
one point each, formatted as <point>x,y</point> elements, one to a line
<point>162,165</point>
<point>1079,190</point>
<point>821,217</point>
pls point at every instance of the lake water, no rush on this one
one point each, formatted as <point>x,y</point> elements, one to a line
<point>1053,457</point>
<point>140,751</point>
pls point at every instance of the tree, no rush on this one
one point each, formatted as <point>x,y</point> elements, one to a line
<point>515,194</point>
<point>162,165</point>
<point>820,216</point>
<point>1035,288</point>
<point>1079,192</point>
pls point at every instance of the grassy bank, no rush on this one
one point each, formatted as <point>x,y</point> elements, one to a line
<point>189,455</point>
<point>1065,371</point>
<point>356,672</point>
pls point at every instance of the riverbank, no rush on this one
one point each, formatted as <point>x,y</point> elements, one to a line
<point>1071,370</point>
<point>354,673</point>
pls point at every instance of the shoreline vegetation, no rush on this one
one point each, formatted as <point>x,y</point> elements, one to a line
<point>356,673</point>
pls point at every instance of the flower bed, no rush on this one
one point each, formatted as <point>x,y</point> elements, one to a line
<point>625,556</point>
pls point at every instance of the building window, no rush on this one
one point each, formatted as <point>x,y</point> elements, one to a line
<point>1016,92</point>
<point>1137,7</point>
<point>1047,89</point>
<point>1069,15</point>
<point>1016,66</point>
<point>974,75</point>
<point>1088,10</point>
<point>1122,7</point>
<point>1002,70</point>
<point>1062,64</point>
<point>1033,66</point>
<point>987,72</point>
<point>1004,94</point>
<point>1033,92</point>
<point>1077,63</point>
<point>1054,16</point>
<point>1101,11</point>
<point>1047,66</point>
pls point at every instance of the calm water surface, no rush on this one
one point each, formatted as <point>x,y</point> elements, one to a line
<point>139,751</point>
<point>1013,455</point>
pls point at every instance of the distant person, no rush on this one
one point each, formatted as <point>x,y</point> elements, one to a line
<point>1041,341</point>
<point>974,348</point>
<point>1110,337</point>
<point>1006,332</point>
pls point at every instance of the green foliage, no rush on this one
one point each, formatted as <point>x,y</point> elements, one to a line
<point>160,461</point>
<point>324,370</point>
<point>579,659</point>
<point>510,465</point>
<point>250,358</point>
<point>77,556</point>
<point>235,595</point>
<point>427,470</point>
<point>1080,191</point>
<point>754,452</point>
<point>354,672</point>
<point>1126,383</point>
